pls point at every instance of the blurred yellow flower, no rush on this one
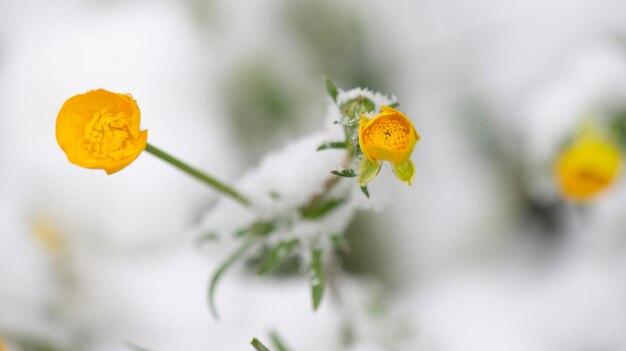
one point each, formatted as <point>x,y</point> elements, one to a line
<point>100,130</point>
<point>388,136</point>
<point>2,346</point>
<point>587,166</point>
<point>48,237</point>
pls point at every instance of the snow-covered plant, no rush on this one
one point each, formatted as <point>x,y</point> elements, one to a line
<point>304,196</point>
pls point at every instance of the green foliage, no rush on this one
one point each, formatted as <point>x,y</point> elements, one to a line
<point>210,236</point>
<point>278,342</point>
<point>331,89</point>
<point>321,209</point>
<point>333,145</point>
<point>258,346</point>
<point>356,107</point>
<point>276,255</point>
<point>258,228</point>
<point>234,257</point>
<point>339,242</point>
<point>317,279</point>
<point>346,172</point>
<point>365,191</point>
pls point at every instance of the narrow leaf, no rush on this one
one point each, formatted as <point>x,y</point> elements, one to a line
<point>394,104</point>
<point>332,145</point>
<point>331,88</point>
<point>277,341</point>
<point>347,172</point>
<point>317,279</point>
<point>234,257</point>
<point>262,228</point>
<point>276,255</point>
<point>365,191</point>
<point>258,346</point>
<point>210,236</point>
<point>322,209</point>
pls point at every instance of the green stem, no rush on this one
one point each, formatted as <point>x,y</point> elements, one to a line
<point>196,173</point>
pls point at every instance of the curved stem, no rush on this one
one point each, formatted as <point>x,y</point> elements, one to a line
<point>196,173</point>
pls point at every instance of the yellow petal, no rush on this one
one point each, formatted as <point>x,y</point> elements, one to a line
<point>389,136</point>
<point>586,167</point>
<point>100,129</point>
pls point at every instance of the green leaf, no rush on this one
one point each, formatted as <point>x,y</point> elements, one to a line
<point>365,191</point>
<point>367,171</point>
<point>331,88</point>
<point>276,255</point>
<point>278,343</point>
<point>262,228</point>
<point>233,258</point>
<point>332,145</point>
<point>317,279</point>
<point>339,242</point>
<point>258,346</point>
<point>404,171</point>
<point>346,172</point>
<point>258,228</point>
<point>394,104</point>
<point>210,236</point>
<point>274,195</point>
<point>320,210</point>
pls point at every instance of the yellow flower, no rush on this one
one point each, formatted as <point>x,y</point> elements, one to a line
<point>2,346</point>
<point>388,136</point>
<point>587,166</point>
<point>100,130</point>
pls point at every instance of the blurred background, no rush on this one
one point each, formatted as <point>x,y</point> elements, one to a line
<point>482,253</point>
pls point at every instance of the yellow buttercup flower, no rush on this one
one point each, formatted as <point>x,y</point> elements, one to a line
<point>388,136</point>
<point>100,130</point>
<point>587,166</point>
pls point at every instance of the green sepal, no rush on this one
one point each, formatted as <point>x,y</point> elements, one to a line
<point>276,255</point>
<point>367,171</point>
<point>316,278</point>
<point>331,88</point>
<point>404,171</point>
<point>346,172</point>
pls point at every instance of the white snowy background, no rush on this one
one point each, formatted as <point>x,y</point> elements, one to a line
<point>478,255</point>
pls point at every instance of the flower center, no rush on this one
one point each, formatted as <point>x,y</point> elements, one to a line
<point>388,134</point>
<point>108,136</point>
